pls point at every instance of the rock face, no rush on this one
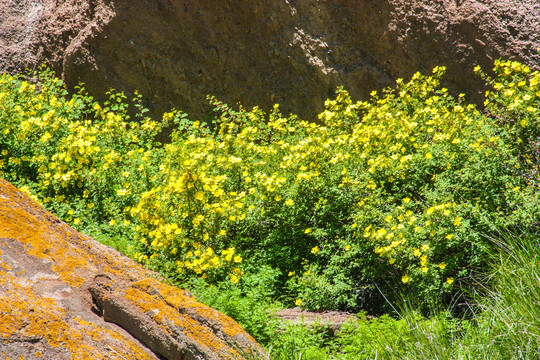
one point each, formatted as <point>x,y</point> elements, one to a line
<point>63,295</point>
<point>293,52</point>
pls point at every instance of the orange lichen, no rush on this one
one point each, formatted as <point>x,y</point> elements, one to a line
<point>178,299</point>
<point>76,258</point>
<point>101,335</point>
<point>26,315</point>
<point>193,329</point>
<point>69,252</point>
<point>17,223</point>
<point>51,322</point>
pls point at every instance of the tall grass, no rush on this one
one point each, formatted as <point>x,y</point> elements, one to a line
<point>510,320</point>
<point>505,323</point>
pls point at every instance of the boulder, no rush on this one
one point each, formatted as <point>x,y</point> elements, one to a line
<point>294,53</point>
<point>63,295</point>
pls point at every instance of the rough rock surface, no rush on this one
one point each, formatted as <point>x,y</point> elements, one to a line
<point>293,52</point>
<point>329,321</point>
<point>65,296</point>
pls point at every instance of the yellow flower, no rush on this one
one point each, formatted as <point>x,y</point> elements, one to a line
<point>197,220</point>
<point>347,247</point>
<point>122,192</point>
<point>425,247</point>
<point>405,279</point>
<point>315,250</point>
<point>237,259</point>
<point>222,232</point>
<point>450,281</point>
<point>46,137</point>
<point>307,231</point>
<point>291,273</point>
<point>442,266</point>
<point>289,202</point>
<point>417,252</point>
<point>424,269</point>
<point>298,302</point>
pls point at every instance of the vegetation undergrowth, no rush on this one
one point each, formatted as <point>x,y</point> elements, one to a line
<point>397,196</point>
<point>505,324</point>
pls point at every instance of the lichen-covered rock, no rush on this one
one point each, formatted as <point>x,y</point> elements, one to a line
<point>258,52</point>
<point>63,295</point>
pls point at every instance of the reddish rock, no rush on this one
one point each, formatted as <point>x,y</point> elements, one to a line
<point>329,321</point>
<point>261,52</point>
<point>63,295</point>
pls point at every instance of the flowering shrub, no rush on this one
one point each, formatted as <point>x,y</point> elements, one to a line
<point>85,162</point>
<point>387,194</point>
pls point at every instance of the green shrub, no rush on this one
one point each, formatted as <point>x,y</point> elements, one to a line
<point>387,196</point>
<point>249,302</point>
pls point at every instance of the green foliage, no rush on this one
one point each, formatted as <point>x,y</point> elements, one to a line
<point>298,341</point>
<point>507,320</point>
<point>85,162</point>
<point>363,338</point>
<point>375,199</point>
<point>249,302</point>
<point>390,197</point>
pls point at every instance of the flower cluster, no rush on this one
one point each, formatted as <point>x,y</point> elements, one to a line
<point>392,191</point>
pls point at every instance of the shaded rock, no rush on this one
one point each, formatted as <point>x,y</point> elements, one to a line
<point>262,52</point>
<point>63,295</point>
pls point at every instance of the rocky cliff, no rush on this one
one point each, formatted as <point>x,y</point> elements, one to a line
<point>293,52</point>
<point>63,295</point>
